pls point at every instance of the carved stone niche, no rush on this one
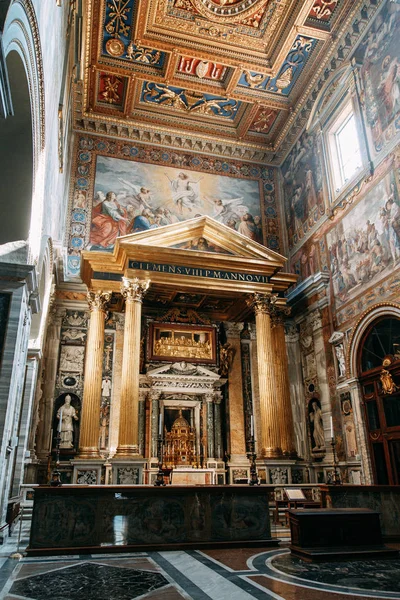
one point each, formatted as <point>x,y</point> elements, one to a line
<point>336,340</point>
<point>194,388</point>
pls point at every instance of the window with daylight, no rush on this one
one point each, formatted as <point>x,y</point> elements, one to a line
<point>344,148</point>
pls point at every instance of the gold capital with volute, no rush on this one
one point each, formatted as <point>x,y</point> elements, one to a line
<point>133,290</point>
<point>89,436</point>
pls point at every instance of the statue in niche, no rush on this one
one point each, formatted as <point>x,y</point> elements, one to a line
<point>226,354</point>
<point>65,414</point>
<point>317,426</point>
<point>341,360</point>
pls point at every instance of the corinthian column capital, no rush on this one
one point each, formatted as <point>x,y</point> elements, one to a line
<point>262,303</point>
<point>278,316</point>
<point>133,290</point>
<point>98,300</point>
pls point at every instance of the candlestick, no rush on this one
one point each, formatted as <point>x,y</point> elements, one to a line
<point>159,424</point>
<point>251,426</point>
<point>331,427</point>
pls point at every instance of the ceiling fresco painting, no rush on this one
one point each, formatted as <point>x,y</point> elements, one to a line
<point>225,69</point>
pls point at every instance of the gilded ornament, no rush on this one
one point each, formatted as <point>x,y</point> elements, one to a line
<point>323,8</point>
<point>254,80</point>
<point>226,354</point>
<point>202,68</point>
<point>115,47</point>
<point>262,303</point>
<point>110,93</point>
<point>388,385</point>
<point>117,17</point>
<point>133,290</point>
<point>98,300</point>
<point>284,80</point>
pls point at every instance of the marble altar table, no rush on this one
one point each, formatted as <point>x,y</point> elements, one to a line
<point>77,518</point>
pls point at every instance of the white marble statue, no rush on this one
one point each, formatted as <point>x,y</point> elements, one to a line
<point>65,414</point>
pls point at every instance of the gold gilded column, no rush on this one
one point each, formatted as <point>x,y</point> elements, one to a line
<point>263,305</point>
<point>89,435</point>
<point>128,442</point>
<point>282,384</point>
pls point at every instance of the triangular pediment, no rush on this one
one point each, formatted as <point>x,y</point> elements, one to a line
<point>182,369</point>
<point>201,235</point>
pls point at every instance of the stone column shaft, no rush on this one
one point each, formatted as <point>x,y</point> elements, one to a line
<point>283,389</point>
<point>155,411</point>
<point>89,435</point>
<point>269,401</point>
<point>210,428</point>
<point>128,443</point>
<point>218,432</point>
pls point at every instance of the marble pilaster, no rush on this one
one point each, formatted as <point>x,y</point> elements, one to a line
<point>210,427</point>
<point>237,447</point>
<point>155,411</point>
<point>217,426</point>
<point>49,376</point>
<point>282,385</point>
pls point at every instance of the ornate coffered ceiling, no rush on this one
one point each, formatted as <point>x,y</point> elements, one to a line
<point>230,72</point>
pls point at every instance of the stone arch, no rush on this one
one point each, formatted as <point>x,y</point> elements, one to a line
<point>384,309</point>
<point>21,35</point>
<point>326,93</point>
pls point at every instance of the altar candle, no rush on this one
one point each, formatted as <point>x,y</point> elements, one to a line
<point>60,421</point>
<point>159,424</point>
<point>331,427</point>
<point>251,426</point>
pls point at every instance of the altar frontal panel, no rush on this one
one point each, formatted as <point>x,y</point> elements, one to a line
<point>125,518</point>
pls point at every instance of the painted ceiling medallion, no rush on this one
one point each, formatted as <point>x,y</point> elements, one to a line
<point>115,47</point>
<point>229,10</point>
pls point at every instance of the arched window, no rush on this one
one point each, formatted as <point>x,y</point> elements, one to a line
<point>379,372</point>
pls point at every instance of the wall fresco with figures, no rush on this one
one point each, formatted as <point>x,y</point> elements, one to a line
<point>302,188</point>
<point>120,188</point>
<point>150,196</point>
<point>364,246</point>
<point>380,55</point>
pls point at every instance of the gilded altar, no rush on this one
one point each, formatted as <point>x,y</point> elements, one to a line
<point>180,444</point>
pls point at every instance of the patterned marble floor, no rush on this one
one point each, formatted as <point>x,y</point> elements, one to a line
<point>235,574</point>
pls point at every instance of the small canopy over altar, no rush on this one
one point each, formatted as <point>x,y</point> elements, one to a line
<point>197,255</point>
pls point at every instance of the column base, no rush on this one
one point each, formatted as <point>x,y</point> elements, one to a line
<point>87,472</point>
<point>88,453</point>
<point>127,471</point>
<point>128,451</point>
<point>272,453</point>
<point>282,471</point>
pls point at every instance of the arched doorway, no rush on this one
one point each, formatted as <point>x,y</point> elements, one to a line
<point>378,366</point>
<point>16,156</point>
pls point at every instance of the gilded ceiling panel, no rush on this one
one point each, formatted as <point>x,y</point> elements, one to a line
<point>228,69</point>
